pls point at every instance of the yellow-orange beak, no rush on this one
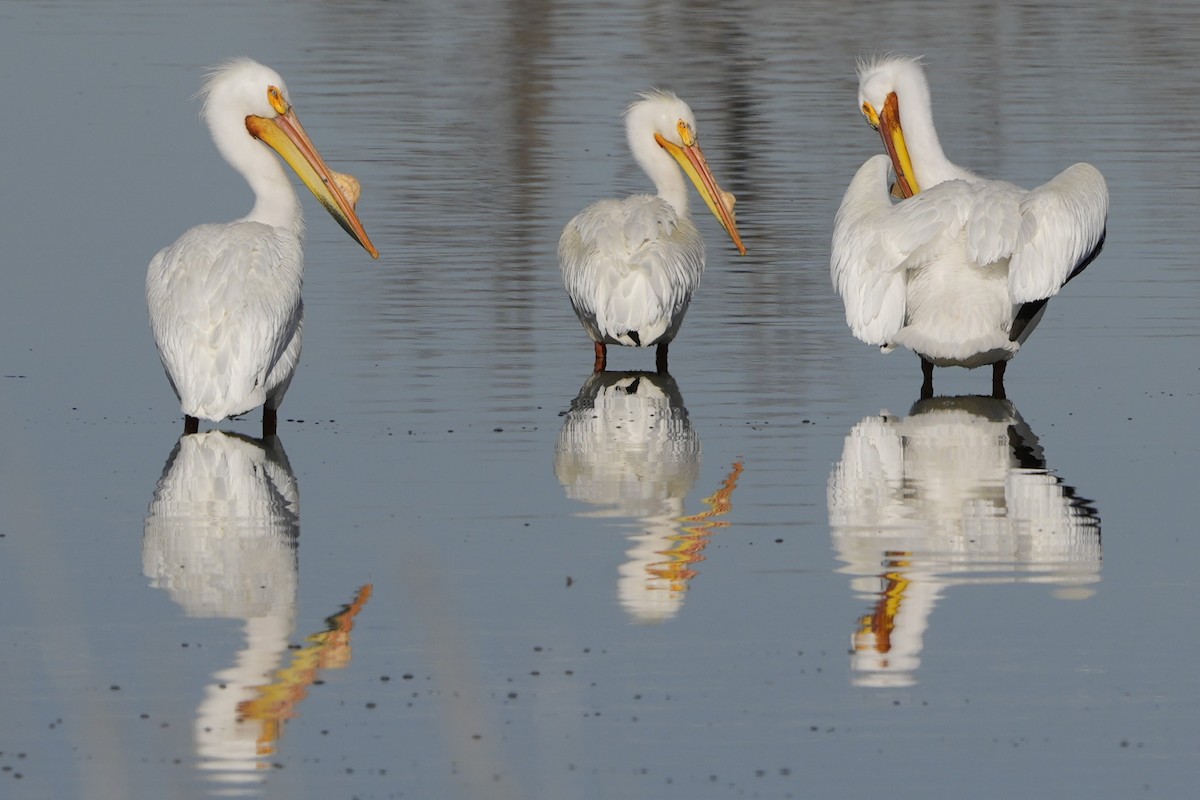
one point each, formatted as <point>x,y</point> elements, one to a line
<point>887,123</point>
<point>691,158</point>
<point>286,136</point>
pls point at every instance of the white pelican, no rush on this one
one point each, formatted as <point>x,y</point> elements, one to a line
<point>630,266</point>
<point>224,300</point>
<point>961,270</point>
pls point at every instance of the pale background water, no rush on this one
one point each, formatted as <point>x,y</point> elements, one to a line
<point>544,621</point>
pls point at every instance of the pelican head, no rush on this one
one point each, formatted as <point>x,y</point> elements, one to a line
<point>660,120</point>
<point>245,101</point>
<point>881,82</point>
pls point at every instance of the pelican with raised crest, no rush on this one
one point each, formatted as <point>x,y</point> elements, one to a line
<point>630,266</point>
<point>960,269</point>
<point>224,299</point>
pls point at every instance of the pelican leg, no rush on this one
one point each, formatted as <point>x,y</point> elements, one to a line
<point>601,357</point>
<point>998,380</point>
<point>270,421</point>
<point>190,425</point>
<point>660,357</point>
<point>927,375</point>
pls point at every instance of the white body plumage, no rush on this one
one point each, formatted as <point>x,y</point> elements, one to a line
<point>227,316</point>
<point>630,267</point>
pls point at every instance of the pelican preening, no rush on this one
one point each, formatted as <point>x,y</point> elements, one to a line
<point>630,266</point>
<point>224,299</point>
<point>960,269</point>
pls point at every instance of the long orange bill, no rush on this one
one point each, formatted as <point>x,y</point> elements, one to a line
<point>286,136</point>
<point>691,158</point>
<point>897,150</point>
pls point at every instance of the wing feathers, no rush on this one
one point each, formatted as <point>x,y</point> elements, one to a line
<point>993,224</point>
<point>876,241</point>
<point>1062,223</point>
<point>862,264</point>
<point>224,306</point>
<point>631,266</point>
<point>1047,235</point>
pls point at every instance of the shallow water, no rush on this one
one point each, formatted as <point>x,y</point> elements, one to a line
<point>476,571</point>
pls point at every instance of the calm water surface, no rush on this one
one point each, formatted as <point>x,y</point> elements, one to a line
<point>469,569</point>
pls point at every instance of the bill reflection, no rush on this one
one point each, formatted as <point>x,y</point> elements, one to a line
<point>628,449</point>
<point>956,493</point>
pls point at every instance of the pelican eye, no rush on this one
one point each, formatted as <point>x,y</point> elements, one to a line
<point>686,134</point>
<point>275,96</point>
<point>872,117</point>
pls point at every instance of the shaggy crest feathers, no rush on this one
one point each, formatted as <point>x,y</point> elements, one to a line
<point>882,75</point>
<point>865,65</point>
<point>654,93</point>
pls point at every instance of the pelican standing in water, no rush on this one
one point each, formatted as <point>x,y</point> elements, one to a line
<point>630,266</point>
<point>961,268</point>
<point>224,300</point>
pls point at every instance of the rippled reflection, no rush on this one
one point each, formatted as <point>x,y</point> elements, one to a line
<point>221,538</point>
<point>628,448</point>
<point>955,493</point>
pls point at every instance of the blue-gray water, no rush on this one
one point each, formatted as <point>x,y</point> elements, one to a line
<point>593,589</point>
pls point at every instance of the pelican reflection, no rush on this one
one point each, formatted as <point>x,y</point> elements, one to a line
<point>628,449</point>
<point>221,538</point>
<point>955,493</point>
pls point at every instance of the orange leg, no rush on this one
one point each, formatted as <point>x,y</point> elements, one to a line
<point>601,357</point>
